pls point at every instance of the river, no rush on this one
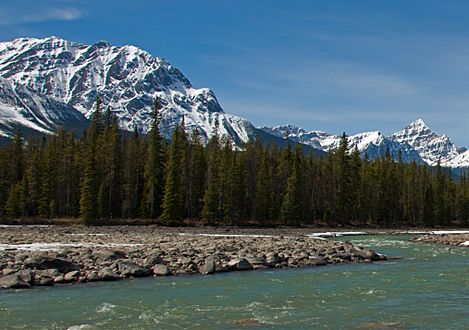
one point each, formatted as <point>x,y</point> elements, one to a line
<point>428,288</point>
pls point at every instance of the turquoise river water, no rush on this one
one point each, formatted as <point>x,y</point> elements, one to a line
<point>427,289</point>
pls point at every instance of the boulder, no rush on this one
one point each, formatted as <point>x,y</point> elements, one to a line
<point>41,263</point>
<point>239,264</point>
<point>153,260</point>
<point>109,254</point>
<point>257,262</point>
<point>161,270</point>
<point>26,275</point>
<point>47,273</point>
<point>106,274</point>
<point>20,257</point>
<point>366,254</point>
<point>92,276</point>
<point>208,268</point>
<point>272,258</point>
<point>59,279</point>
<point>8,271</point>
<point>71,276</point>
<point>13,281</point>
<point>44,281</point>
<point>317,261</point>
<point>128,268</point>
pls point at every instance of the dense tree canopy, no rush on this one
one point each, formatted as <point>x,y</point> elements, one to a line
<point>104,175</point>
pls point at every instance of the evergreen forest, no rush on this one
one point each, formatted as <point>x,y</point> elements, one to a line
<point>105,175</point>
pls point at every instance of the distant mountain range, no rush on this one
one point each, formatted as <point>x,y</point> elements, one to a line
<point>50,83</point>
<point>416,142</point>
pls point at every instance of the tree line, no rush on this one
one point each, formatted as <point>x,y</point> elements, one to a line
<point>107,175</point>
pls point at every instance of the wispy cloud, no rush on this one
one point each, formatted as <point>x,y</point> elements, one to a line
<point>60,14</point>
<point>10,16</point>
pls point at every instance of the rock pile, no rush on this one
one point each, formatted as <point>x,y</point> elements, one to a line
<point>448,239</point>
<point>118,254</point>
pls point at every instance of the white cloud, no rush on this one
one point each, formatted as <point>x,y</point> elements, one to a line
<point>9,17</point>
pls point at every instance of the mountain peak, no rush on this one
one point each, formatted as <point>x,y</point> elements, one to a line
<point>433,148</point>
<point>419,123</point>
<point>60,74</point>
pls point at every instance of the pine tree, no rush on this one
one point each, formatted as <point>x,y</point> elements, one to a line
<point>344,187</point>
<point>293,203</point>
<point>13,206</point>
<point>196,178</point>
<point>48,194</point>
<point>154,170</point>
<point>211,199</point>
<point>133,177</point>
<point>264,184</point>
<point>88,200</point>
<point>173,203</point>
<point>90,185</point>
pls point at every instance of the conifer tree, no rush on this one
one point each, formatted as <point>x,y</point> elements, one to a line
<point>154,170</point>
<point>211,199</point>
<point>13,207</point>
<point>89,187</point>
<point>173,202</point>
<point>292,207</point>
<point>263,196</point>
<point>196,178</point>
<point>133,177</point>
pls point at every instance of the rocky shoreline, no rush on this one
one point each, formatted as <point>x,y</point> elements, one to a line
<point>50,255</point>
<point>448,239</point>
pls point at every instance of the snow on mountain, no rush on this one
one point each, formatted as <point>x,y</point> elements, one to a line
<point>370,144</point>
<point>430,146</point>
<point>416,142</point>
<point>126,78</point>
<point>21,107</point>
<point>51,82</point>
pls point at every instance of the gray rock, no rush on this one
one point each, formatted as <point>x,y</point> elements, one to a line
<point>13,282</point>
<point>128,268</point>
<point>26,275</point>
<point>47,273</point>
<point>20,257</point>
<point>44,281</point>
<point>92,276</point>
<point>366,254</point>
<point>59,279</point>
<point>239,264</point>
<point>41,263</point>
<point>8,271</point>
<point>153,260</point>
<point>273,258</point>
<point>109,254</point>
<point>106,274</point>
<point>255,261</point>
<point>161,270</point>
<point>208,268</point>
<point>317,261</point>
<point>71,276</point>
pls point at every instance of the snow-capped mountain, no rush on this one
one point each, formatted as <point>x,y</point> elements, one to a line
<point>60,78</point>
<point>430,146</point>
<point>370,144</point>
<point>20,107</point>
<point>416,142</point>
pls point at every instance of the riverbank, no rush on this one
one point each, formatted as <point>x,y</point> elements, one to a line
<point>453,238</point>
<point>49,255</point>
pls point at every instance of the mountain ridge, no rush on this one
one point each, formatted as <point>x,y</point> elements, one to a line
<point>126,78</point>
<point>52,82</point>
<point>416,142</point>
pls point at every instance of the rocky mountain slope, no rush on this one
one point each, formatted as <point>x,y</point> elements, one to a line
<point>48,82</point>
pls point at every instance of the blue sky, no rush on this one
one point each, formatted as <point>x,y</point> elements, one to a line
<point>335,65</point>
